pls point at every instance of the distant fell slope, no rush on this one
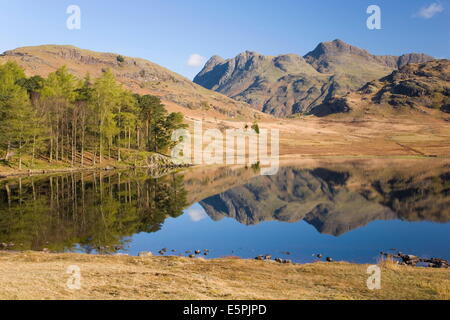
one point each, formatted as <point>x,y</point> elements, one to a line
<point>334,56</point>
<point>289,84</point>
<point>421,87</point>
<point>138,75</point>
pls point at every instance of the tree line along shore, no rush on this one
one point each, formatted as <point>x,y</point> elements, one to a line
<point>62,121</point>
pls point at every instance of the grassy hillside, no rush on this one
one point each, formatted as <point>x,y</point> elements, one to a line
<point>138,75</point>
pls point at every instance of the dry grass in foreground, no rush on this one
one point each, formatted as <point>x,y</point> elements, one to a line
<point>33,275</point>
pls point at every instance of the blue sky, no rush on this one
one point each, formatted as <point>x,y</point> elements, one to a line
<point>168,32</point>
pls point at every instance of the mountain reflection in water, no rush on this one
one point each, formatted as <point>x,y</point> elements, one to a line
<point>331,201</point>
<point>105,211</point>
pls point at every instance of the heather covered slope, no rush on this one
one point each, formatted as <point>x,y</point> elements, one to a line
<point>139,75</point>
<point>415,85</point>
<point>291,84</point>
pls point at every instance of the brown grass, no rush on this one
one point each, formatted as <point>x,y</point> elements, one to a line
<point>33,275</point>
<point>389,263</point>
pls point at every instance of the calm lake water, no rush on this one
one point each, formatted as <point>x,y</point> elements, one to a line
<point>348,211</point>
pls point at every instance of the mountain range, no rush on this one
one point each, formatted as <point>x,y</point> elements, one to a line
<point>333,78</point>
<point>289,84</point>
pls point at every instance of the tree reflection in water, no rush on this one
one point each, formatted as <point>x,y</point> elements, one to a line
<point>86,211</point>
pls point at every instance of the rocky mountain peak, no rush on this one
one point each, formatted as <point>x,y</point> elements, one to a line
<point>335,47</point>
<point>214,61</point>
<point>287,84</point>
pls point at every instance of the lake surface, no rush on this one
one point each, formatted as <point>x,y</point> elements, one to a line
<point>348,210</point>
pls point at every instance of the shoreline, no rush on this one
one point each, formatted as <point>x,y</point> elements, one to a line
<point>384,257</point>
<point>38,275</point>
<point>151,161</point>
<point>40,172</point>
<point>285,158</point>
